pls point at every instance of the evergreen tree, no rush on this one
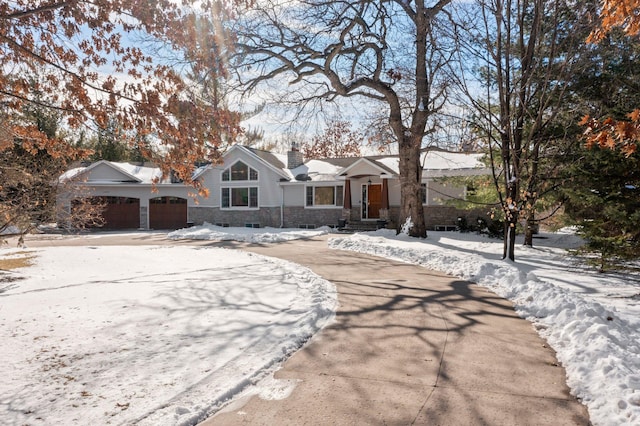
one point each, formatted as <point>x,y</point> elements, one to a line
<point>604,201</point>
<point>601,184</point>
<point>110,144</point>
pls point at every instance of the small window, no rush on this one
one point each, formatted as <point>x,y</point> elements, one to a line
<point>309,195</point>
<point>423,193</point>
<point>239,171</point>
<point>224,201</point>
<point>253,197</point>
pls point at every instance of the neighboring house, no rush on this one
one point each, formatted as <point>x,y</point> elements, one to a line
<point>258,188</point>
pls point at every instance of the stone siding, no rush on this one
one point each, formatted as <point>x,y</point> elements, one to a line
<point>265,216</point>
<point>448,216</point>
<point>296,216</point>
<point>144,214</point>
<point>435,216</point>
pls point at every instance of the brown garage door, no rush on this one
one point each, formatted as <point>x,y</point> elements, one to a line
<point>120,212</point>
<point>167,213</point>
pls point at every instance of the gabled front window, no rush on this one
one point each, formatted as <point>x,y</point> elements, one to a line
<point>239,197</point>
<point>324,196</point>
<point>239,171</point>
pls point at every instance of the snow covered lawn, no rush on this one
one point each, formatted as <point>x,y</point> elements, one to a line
<point>150,334</point>
<point>592,320</point>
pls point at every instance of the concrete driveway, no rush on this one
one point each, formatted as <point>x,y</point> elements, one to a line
<point>409,346</point>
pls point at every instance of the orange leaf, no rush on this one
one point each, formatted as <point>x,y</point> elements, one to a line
<point>635,115</point>
<point>585,120</point>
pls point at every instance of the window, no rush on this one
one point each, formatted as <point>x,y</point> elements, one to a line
<point>423,193</point>
<point>239,172</point>
<point>324,196</point>
<point>239,197</point>
<point>167,200</point>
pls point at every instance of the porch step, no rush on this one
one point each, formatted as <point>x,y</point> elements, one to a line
<point>357,226</point>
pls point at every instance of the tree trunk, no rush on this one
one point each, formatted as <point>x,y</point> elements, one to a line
<point>410,186</point>
<point>529,229</point>
<point>511,241</point>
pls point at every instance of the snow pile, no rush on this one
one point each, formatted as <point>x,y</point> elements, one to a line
<point>591,321</point>
<point>152,335</point>
<point>249,235</point>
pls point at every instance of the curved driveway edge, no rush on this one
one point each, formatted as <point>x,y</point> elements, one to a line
<point>411,346</point>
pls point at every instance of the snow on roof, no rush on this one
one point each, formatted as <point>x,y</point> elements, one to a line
<point>140,174</point>
<point>444,160</point>
<point>436,162</point>
<point>145,174</point>
<point>71,174</point>
<point>315,170</point>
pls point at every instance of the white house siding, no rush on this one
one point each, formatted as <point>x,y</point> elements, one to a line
<point>364,168</point>
<point>282,199</point>
<point>268,212</point>
<point>269,191</point>
<point>106,173</point>
<point>394,192</point>
<point>294,195</point>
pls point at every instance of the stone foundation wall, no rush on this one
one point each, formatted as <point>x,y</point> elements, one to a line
<point>435,216</point>
<point>448,216</point>
<point>265,216</point>
<point>294,217</point>
<point>144,215</point>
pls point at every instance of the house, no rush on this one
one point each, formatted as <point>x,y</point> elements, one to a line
<point>258,188</point>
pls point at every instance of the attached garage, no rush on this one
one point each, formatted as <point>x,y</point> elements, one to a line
<point>120,212</point>
<point>167,213</point>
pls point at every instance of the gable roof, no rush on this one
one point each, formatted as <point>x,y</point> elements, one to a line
<point>121,173</point>
<point>368,162</point>
<point>270,159</point>
<point>436,163</point>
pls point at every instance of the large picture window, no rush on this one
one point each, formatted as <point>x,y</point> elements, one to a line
<point>324,196</point>
<point>239,197</point>
<point>239,171</point>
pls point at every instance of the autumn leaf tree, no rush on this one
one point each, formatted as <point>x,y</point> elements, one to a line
<point>389,53</point>
<point>117,60</point>
<point>617,14</point>
<point>614,132</point>
<point>30,176</point>
<point>337,141</point>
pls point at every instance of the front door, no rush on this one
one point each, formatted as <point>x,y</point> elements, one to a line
<point>372,197</point>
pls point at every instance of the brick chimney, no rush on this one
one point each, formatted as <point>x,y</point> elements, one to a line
<point>294,157</point>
